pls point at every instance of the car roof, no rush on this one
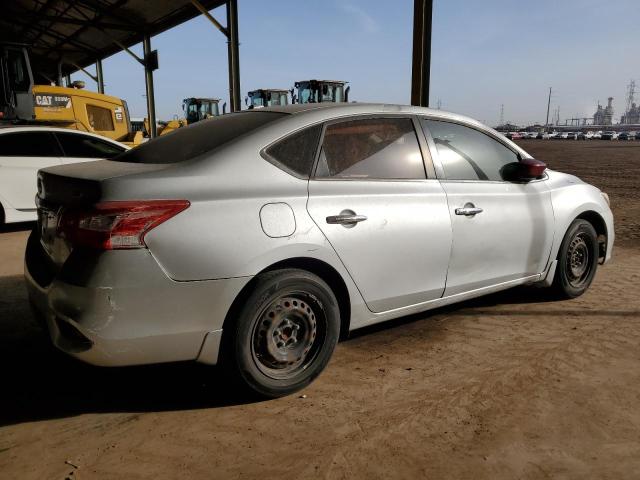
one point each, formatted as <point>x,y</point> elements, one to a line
<point>39,128</point>
<point>353,108</point>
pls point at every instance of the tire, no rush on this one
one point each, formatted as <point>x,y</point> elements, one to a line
<point>577,260</point>
<point>284,335</point>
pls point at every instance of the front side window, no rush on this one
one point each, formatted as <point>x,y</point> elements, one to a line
<point>468,154</point>
<point>100,118</point>
<point>376,148</point>
<point>297,151</point>
<point>84,146</point>
<point>29,144</point>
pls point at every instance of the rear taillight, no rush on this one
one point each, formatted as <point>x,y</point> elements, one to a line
<point>117,225</point>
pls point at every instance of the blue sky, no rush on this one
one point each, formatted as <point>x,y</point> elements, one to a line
<point>484,53</point>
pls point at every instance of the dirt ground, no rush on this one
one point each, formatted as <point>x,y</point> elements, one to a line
<point>506,386</point>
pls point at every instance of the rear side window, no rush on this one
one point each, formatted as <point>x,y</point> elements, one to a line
<point>467,154</point>
<point>378,148</point>
<point>296,152</point>
<point>202,137</point>
<point>29,144</point>
<point>84,146</point>
<point>100,118</point>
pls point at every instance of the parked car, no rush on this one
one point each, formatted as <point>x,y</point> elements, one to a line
<point>24,150</point>
<point>610,135</point>
<point>571,136</point>
<point>542,136</point>
<point>588,135</point>
<point>597,135</point>
<point>256,239</point>
<point>625,136</point>
<point>514,135</point>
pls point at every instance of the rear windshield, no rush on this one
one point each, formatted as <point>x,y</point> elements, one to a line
<point>189,142</point>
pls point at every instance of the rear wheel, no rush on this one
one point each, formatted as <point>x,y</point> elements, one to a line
<point>285,333</point>
<point>577,260</point>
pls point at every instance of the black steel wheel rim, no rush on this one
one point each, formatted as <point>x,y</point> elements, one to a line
<point>579,260</point>
<point>288,335</point>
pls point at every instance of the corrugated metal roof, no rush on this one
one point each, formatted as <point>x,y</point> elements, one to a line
<point>81,31</point>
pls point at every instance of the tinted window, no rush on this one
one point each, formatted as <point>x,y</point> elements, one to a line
<point>100,118</point>
<point>189,142</point>
<point>467,154</point>
<point>84,146</point>
<point>29,144</point>
<point>296,152</point>
<point>381,148</point>
<point>17,70</point>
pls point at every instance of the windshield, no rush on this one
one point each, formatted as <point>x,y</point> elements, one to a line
<point>257,100</point>
<point>305,94</point>
<point>201,137</point>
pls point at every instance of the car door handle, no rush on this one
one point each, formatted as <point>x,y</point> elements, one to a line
<point>346,219</point>
<point>468,211</point>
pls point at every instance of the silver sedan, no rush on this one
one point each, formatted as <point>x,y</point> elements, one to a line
<point>257,239</point>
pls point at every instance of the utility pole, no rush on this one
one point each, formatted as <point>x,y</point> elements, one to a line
<point>421,63</point>
<point>548,106</point>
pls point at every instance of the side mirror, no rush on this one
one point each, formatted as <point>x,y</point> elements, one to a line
<point>525,170</point>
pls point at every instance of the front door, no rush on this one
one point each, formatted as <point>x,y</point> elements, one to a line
<point>502,230</point>
<point>387,222</point>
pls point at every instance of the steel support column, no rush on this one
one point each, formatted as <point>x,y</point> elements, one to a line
<point>67,80</point>
<point>148,77</point>
<point>421,70</point>
<point>234,55</point>
<point>99,76</point>
<point>59,79</point>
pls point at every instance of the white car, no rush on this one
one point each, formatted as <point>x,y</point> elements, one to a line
<point>597,135</point>
<point>25,150</point>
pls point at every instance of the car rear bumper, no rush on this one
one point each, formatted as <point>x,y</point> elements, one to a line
<point>119,308</point>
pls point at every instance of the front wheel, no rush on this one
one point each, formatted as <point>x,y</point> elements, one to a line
<point>577,260</point>
<point>284,334</point>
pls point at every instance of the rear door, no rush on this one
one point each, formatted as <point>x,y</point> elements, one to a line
<point>22,154</point>
<point>502,230</point>
<point>387,221</point>
<point>78,147</point>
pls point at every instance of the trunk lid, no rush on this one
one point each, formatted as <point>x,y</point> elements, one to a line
<point>73,186</point>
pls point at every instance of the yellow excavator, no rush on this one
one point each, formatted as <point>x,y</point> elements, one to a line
<point>22,102</point>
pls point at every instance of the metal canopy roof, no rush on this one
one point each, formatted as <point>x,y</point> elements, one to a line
<point>79,32</point>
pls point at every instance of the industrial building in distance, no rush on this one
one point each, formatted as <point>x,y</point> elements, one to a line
<point>602,119</point>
